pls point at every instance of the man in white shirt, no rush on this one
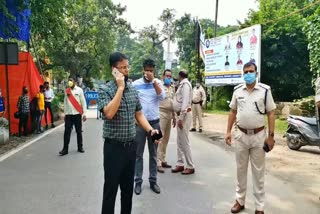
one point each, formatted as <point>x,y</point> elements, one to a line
<point>48,97</point>
<point>75,108</point>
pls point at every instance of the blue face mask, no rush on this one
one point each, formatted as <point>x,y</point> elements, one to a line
<point>249,78</point>
<point>167,81</point>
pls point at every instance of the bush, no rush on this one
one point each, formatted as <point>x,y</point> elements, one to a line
<point>306,105</point>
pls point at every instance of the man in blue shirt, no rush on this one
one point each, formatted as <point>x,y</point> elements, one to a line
<point>150,92</point>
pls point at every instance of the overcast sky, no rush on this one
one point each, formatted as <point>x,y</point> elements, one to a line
<point>141,13</point>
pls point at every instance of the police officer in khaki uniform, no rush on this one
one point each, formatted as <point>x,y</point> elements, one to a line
<point>182,105</point>
<point>167,117</point>
<point>250,101</point>
<point>198,100</point>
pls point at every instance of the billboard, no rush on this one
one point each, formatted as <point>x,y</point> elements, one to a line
<point>226,55</point>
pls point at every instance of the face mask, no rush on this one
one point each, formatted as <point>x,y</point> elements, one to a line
<point>70,83</point>
<point>249,78</point>
<point>167,81</point>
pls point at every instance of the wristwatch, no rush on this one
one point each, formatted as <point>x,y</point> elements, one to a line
<point>271,134</point>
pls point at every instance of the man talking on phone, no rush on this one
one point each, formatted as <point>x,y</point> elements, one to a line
<point>150,92</point>
<point>121,108</point>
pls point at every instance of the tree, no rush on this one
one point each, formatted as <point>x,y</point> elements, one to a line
<point>284,57</point>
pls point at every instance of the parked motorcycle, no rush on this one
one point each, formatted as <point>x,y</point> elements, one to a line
<point>302,131</point>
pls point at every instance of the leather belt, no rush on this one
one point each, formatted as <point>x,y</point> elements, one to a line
<point>117,142</point>
<point>196,102</point>
<point>251,131</point>
<point>152,122</point>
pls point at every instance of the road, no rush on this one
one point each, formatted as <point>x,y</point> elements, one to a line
<point>36,180</point>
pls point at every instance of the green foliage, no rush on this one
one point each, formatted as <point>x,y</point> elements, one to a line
<point>312,30</point>
<point>306,105</point>
<point>285,61</point>
<point>57,103</point>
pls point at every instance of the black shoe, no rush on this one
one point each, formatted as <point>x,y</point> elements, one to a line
<point>47,126</point>
<point>52,126</point>
<point>63,152</point>
<point>193,130</point>
<point>81,150</point>
<point>137,189</point>
<point>200,130</point>
<point>155,188</point>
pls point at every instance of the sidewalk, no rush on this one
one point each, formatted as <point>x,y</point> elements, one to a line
<point>300,168</point>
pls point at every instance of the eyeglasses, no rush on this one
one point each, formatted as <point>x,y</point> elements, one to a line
<point>249,71</point>
<point>124,67</point>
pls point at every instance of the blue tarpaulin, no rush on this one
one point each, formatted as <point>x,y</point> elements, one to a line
<point>19,26</point>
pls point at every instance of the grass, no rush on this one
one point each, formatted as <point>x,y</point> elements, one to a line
<point>280,125</point>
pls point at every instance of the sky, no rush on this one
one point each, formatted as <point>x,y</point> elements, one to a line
<point>141,13</point>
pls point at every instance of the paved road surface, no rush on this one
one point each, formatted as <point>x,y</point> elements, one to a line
<point>36,180</point>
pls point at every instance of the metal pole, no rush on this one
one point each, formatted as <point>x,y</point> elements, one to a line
<point>7,80</point>
<point>216,19</point>
<point>215,35</point>
<point>198,46</point>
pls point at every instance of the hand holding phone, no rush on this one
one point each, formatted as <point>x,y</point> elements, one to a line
<point>155,136</point>
<point>119,77</point>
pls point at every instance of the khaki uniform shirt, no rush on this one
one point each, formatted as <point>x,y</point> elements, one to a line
<point>183,98</point>
<point>198,95</point>
<point>248,116</point>
<point>167,103</point>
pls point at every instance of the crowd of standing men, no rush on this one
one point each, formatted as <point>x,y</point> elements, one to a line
<point>37,107</point>
<point>137,113</point>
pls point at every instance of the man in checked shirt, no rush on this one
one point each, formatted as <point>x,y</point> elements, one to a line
<point>121,107</point>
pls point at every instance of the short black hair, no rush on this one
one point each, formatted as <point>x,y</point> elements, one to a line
<point>183,74</point>
<point>41,87</point>
<point>149,63</point>
<point>164,72</point>
<point>46,82</point>
<point>248,64</point>
<point>116,57</point>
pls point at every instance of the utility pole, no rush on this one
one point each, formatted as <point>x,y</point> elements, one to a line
<point>215,35</point>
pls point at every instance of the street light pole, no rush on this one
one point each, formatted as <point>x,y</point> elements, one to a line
<point>216,19</point>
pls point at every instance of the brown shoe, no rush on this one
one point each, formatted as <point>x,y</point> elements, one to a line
<point>177,169</point>
<point>237,207</point>
<point>258,212</point>
<point>160,169</point>
<point>165,165</point>
<point>188,171</point>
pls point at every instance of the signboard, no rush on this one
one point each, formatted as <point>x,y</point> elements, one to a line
<point>226,55</point>
<point>91,96</point>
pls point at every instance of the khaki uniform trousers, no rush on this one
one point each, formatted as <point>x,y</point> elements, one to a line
<point>183,144</point>
<point>197,113</point>
<point>165,126</point>
<point>250,147</point>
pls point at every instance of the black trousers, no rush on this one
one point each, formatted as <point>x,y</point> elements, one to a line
<point>23,122</point>
<point>70,121</point>
<point>119,165</point>
<point>47,105</point>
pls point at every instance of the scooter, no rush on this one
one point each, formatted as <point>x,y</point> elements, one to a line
<point>302,131</point>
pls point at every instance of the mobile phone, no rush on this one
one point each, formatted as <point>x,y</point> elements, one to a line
<point>115,72</point>
<point>156,136</point>
<point>266,147</point>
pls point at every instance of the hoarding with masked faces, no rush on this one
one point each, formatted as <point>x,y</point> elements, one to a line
<point>225,56</point>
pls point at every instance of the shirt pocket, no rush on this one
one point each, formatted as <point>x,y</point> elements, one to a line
<point>241,101</point>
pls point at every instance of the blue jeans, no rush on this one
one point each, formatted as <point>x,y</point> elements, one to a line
<point>39,119</point>
<point>141,137</point>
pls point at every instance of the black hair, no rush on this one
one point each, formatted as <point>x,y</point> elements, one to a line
<point>41,87</point>
<point>164,72</point>
<point>116,57</point>
<point>149,63</point>
<point>248,64</point>
<point>24,90</point>
<point>46,82</point>
<point>183,74</point>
